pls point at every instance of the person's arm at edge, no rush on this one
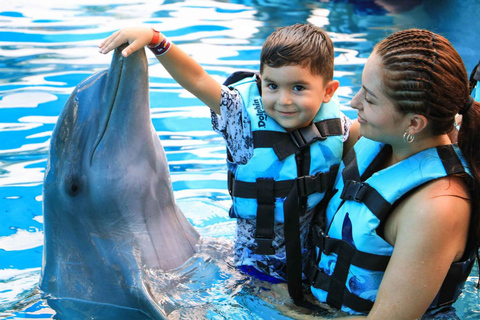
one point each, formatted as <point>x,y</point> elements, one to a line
<point>184,69</point>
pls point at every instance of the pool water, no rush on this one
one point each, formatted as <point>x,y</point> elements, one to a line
<point>47,48</point>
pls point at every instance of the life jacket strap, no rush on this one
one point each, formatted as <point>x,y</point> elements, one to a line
<point>267,190</point>
<point>248,190</point>
<point>264,233</point>
<point>454,281</point>
<point>317,131</point>
<point>363,192</point>
<point>361,259</point>
<point>345,297</point>
<point>320,182</point>
<point>334,284</point>
<point>285,144</point>
<point>307,185</point>
<point>240,75</point>
<point>474,77</point>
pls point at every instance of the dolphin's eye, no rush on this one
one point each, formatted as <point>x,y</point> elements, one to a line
<point>73,187</point>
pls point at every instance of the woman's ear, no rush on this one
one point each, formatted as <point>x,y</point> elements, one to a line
<point>418,123</point>
<point>330,89</point>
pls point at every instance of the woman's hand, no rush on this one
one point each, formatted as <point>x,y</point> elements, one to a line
<point>137,37</point>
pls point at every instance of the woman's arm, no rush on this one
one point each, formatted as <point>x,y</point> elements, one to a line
<point>429,231</point>
<point>183,68</point>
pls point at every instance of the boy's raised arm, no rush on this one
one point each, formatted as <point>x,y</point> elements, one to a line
<point>183,68</point>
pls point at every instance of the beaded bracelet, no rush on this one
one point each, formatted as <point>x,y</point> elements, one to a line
<point>159,49</point>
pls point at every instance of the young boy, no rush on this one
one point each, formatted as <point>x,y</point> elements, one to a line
<point>284,135</point>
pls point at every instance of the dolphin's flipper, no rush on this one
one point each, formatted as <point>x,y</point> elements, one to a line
<point>109,208</point>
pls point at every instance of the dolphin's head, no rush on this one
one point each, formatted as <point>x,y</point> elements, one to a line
<point>104,130</point>
<point>109,208</point>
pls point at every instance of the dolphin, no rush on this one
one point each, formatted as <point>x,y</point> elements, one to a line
<point>108,203</point>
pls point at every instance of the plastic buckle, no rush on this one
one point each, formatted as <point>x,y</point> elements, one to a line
<point>305,136</point>
<point>264,246</point>
<point>308,185</point>
<point>357,196</point>
<point>302,186</point>
<point>354,190</point>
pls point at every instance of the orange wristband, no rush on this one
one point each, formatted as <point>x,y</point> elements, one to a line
<point>161,48</point>
<point>155,38</point>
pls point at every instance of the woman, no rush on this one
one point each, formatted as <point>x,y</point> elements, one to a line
<point>400,232</point>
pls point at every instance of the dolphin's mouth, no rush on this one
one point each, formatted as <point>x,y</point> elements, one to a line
<point>113,88</point>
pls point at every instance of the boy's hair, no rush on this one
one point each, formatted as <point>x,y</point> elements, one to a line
<point>304,45</point>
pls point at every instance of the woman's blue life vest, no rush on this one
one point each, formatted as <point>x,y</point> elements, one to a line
<point>306,158</point>
<point>350,258</point>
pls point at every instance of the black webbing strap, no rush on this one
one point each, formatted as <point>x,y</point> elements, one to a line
<point>230,182</point>
<point>320,182</point>
<point>459,271</point>
<point>239,75</point>
<point>450,160</point>
<point>307,185</point>
<point>317,238</point>
<point>324,282</point>
<point>265,216</point>
<point>454,280</point>
<point>292,208</point>
<point>358,191</point>
<point>350,172</point>
<point>267,139</point>
<point>288,144</point>
<point>293,248</point>
<point>319,130</point>
<point>334,285</point>
<point>364,260</point>
<point>474,77</point>
<point>363,192</point>
<point>248,190</point>
<point>338,279</point>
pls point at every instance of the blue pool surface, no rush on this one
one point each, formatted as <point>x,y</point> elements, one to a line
<point>48,47</point>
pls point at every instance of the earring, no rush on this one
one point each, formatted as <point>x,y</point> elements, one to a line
<point>408,138</point>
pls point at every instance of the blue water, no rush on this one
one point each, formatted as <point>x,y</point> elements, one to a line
<point>47,48</point>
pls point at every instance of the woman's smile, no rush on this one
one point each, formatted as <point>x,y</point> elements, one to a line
<point>360,119</point>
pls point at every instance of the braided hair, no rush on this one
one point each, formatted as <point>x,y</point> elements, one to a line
<point>424,74</point>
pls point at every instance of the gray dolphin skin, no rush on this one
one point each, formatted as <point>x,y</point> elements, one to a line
<point>109,209</point>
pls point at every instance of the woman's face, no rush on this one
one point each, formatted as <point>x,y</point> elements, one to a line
<point>378,118</point>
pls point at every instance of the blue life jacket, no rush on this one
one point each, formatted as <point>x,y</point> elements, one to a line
<point>288,173</point>
<point>260,187</point>
<point>350,258</point>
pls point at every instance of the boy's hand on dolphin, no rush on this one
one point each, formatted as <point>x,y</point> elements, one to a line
<point>137,37</point>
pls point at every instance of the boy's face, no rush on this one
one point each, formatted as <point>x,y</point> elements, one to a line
<point>292,95</point>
